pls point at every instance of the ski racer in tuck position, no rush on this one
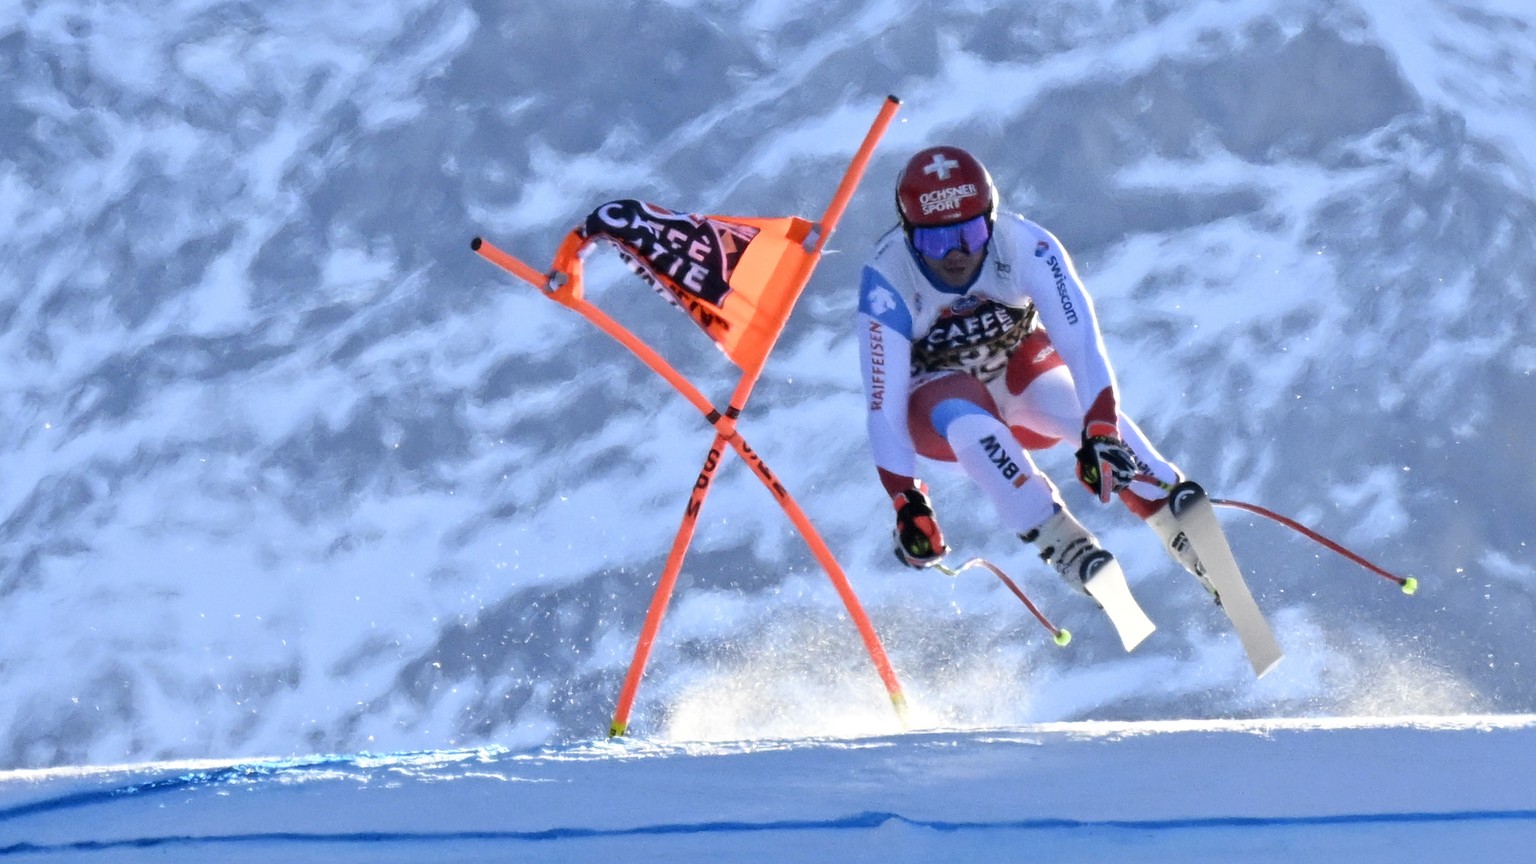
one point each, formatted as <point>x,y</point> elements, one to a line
<point>978,342</point>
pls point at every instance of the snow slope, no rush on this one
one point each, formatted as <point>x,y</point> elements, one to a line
<point>1256,791</point>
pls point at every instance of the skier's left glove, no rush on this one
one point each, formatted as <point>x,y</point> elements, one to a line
<point>1104,464</point>
<point>919,542</point>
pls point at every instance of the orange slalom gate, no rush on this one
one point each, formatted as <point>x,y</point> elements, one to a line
<point>771,276</point>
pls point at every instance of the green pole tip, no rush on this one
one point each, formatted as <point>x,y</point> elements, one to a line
<point>1063,636</point>
<point>617,730</point>
<point>1410,585</point>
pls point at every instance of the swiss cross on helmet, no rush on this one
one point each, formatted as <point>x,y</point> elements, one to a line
<point>944,185</point>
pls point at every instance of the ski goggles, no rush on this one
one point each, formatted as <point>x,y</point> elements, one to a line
<point>968,236</point>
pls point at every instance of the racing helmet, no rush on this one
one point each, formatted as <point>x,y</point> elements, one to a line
<point>942,186</point>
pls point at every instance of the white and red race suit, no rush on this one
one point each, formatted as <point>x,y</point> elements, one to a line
<point>980,373</point>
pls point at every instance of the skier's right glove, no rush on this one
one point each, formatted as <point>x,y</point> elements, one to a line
<point>919,542</point>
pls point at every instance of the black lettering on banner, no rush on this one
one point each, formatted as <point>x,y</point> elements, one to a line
<point>690,253</point>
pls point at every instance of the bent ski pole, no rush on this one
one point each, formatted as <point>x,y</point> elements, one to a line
<point>1061,635</point>
<point>1408,584</point>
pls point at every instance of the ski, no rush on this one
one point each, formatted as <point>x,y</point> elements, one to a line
<point>1109,588</point>
<point>1191,506</point>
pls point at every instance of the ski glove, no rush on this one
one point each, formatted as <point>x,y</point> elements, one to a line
<point>919,542</point>
<point>1104,464</point>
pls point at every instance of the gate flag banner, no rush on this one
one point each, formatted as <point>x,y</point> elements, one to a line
<point>735,276</point>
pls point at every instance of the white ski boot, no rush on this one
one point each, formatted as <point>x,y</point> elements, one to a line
<point>1067,546</point>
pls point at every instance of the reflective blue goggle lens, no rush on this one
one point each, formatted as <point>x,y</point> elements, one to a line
<point>967,236</point>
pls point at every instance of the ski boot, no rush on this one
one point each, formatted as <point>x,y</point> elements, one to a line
<point>1068,548</point>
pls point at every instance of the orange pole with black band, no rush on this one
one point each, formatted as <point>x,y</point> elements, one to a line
<point>665,586</point>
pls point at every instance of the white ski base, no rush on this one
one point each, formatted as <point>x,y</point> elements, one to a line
<point>1198,519</point>
<point>1108,586</point>
<point>1249,622</point>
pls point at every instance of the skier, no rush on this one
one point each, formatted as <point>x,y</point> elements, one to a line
<point>979,343</point>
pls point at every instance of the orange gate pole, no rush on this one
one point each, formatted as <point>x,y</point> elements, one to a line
<point>664,587</point>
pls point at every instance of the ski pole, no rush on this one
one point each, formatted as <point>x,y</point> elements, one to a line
<point>1060,634</point>
<point>1408,584</point>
